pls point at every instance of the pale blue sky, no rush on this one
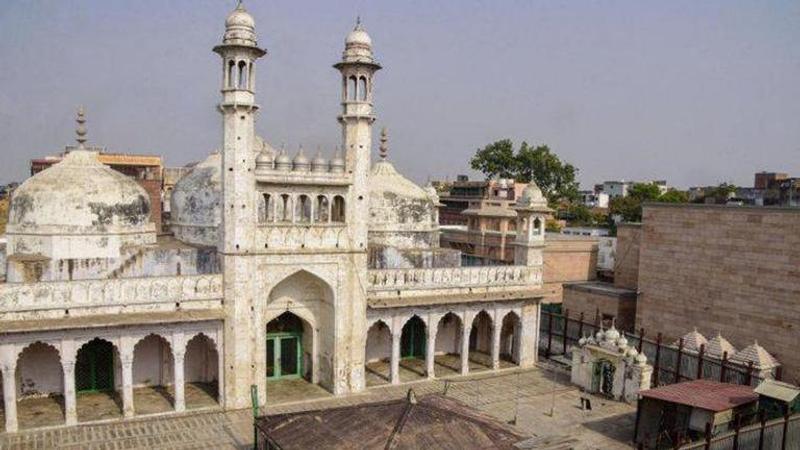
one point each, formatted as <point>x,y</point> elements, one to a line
<point>692,92</point>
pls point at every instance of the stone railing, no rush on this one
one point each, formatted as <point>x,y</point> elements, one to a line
<point>454,277</point>
<point>64,295</point>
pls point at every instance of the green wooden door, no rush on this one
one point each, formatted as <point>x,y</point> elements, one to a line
<point>413,339</point>
<point>94,367</point>
<point>284,355</point>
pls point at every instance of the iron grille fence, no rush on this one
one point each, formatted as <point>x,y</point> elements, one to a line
<point>560,332</point>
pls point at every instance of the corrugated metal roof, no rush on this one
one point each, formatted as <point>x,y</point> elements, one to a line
<point>775,389</point>
<point>704,394</point>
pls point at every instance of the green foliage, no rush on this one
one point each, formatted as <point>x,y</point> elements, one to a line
<point>554,177</point>
<point>674,196</point>
<point>644,192</point>
<point>721,193</point>
<point>496,160</point>
<point>630,208</point>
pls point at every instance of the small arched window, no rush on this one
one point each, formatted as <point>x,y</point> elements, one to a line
<point>269,204</point>
<point>322,210</point>
<point>351,88</point>
<point>537,225</point>
<point>250,80</point>
<point>242,75</point>
<point>362,89</point>
<point>337,212</point>
<point>303,212</point>
<point>231,74</point>
<point>286,208</point>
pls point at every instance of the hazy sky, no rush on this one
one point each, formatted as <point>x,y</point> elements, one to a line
<point>692,92</point>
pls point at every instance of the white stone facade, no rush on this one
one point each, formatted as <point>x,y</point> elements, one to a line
<point>271,237</point>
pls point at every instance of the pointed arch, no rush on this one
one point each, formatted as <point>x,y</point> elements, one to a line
<point>510,337</point>
<point>480,338</point>
<point>153,375</point>
<point>40,380</point>
<point>201,368</point>
<point>448,344</point>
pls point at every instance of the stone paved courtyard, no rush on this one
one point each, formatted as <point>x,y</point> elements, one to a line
<point>523,397</point>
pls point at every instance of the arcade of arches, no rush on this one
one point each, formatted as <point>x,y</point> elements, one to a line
<point>71,377</point>
<point>403,347</point>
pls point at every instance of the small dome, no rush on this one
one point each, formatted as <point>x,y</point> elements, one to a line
<point>79,195</point>
<point>300,162</point>
<point>264,159</point>
<point>337,163</point>
<point>358,37</point>
<point>641,359</point>
<point>612,335</point>
<point>692,341</point>
<point>283,162</point>
<point>195,205</point>
<point>622,342</point>
<point>756,354</point>
<point>718,346</point>
<point>239,17</point>
<point>532,197</point>
<point>319,164</point>
<point>600,336</point>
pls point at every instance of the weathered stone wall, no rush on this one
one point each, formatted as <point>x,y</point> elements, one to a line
<point>730,269</point>
<point>568,259</point>
<point>597,299</point>
<point>395,258</point>
<point>626,265</point>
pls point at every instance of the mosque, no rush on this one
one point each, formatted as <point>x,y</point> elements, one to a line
<point>276,268</point>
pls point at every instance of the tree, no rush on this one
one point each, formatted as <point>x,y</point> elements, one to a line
<point>674,196</point>
<point>554,177</point>
<point>628,209</point>
<point>496,160</point>
<point>3,214</point>
<point>644,192</point>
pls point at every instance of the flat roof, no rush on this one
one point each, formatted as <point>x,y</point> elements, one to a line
<point>704,394</point>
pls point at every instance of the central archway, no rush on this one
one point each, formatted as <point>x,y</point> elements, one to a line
<point>299,325</point>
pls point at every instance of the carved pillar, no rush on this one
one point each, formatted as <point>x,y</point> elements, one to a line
<point>180,402</point>
<point>127,386</point>
<point>70,410</point>
<point>395,364</point>
<point>496,328</point>
<point>465,330</point>
<point>10,397</point>
<point>430,350</point>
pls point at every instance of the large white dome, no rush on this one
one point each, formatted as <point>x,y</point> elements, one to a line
<point>79,195</point>
<point>83,199</point>
<point>195,205</point>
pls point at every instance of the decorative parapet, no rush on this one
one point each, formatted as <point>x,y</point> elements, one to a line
<point>74,298</point>
<point>454,277</point>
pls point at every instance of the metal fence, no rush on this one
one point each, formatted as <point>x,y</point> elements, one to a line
<point>560,332</point>
<point>777,434</point>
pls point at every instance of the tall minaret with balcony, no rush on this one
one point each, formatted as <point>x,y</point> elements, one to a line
<point>239,51</point>
<point>358,67</point>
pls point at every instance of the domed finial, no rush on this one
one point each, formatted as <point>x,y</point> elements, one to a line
<point>384,146</point>
<point>81,129</point>
<point>358,23</point>
<point>240,5</point>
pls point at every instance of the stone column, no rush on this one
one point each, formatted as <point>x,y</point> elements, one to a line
<point>496,328</point>
<point>70,410</point>
<point>465,330</point>
<point>395,367</point>
<point>430,351</point>
<point>10,397</point>
<point>127,386</point>
<point>177,374</point>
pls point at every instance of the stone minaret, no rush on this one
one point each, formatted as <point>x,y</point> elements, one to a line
<point>239,51</point>
<point>358,67</point>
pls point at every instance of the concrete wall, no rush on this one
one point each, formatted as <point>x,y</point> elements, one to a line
<point>596,298</point>
<point>568,260</point>
<point>626,265</point>
<point>728,269</point>
<point>39,371</point>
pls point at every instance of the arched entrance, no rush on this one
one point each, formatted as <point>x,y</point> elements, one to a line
<point>448,346</point>
<point>201,372</point>
<point>40,386</point>
<point>510,338</point>
<point>480,342</point>
<point>152,375</point>
<point>285,347</point>
<point>378,354</point>
<point>603,377</point>
<point>96,376</point>
<point>413,342</point>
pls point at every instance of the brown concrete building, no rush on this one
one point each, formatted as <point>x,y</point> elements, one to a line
<point>734,270</point>
<point>476,195</point>
<point>145,169</point>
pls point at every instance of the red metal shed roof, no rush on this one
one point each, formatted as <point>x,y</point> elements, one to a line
<point>705,394</point>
